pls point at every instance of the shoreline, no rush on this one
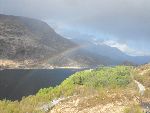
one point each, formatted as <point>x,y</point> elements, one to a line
<point>48,68</point>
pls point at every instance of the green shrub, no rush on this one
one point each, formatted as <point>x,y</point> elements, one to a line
<point>44,91</point>
<point>103,77</point>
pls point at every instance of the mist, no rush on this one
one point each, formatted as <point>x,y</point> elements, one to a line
<point>124,21</point>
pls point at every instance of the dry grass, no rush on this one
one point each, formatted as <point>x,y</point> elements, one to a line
<point>142,74</point>
<point>102,101</point>
<point>133,108</point>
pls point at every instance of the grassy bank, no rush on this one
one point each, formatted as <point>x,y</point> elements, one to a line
<point>107,83</point>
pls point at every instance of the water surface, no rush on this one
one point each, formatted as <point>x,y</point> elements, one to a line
<point>14,84</point>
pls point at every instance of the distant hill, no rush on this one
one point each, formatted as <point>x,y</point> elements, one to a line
<point>117,56</point>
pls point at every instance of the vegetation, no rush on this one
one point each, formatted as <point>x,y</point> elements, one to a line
<point>104,77</point>
<point>103,81</point>
<point>133,109</point>
<point>142,74</point>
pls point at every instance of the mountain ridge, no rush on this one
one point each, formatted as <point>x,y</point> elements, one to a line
<point>111,52</point>
<point>32,43</point>
<point>23,39</point>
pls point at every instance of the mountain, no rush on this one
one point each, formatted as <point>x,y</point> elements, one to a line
<point>23,39</point>
<point>81,57</point>
<point>31,42</point>
<point>117,55</point>
<point>101,49</point>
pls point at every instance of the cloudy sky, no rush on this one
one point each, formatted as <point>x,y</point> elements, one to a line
<point>124,24</point>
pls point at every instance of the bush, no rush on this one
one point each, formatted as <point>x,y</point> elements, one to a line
<point>103,77</point>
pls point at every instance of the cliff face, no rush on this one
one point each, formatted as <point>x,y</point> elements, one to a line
<point>29,39</point>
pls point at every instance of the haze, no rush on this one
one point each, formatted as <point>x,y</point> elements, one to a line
<point>124,24</point>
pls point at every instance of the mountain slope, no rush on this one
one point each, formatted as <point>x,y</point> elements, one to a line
<point>29,41</point>
<point>33,42</point>
<point>99,48</point>
<point>24,38</point>
<point>26,42</point>
<point>81,57</point>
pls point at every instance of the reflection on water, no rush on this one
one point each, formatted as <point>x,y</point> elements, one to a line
<point>14,84</point>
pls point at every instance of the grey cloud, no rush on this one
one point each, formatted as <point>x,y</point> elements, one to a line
<point>124,19</point>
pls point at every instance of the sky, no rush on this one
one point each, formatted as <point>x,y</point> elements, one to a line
<point>124,24</point>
